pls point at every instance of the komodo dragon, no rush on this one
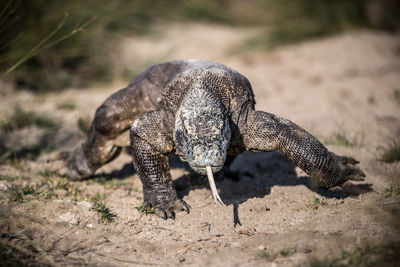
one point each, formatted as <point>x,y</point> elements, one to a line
<point>203,111</point>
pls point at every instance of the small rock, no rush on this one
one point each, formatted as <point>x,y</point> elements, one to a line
<point>304,248</point>
<point>235,245</point>
<point>205,226</point>
<point>4,186</point>
<point>89,225</point>
<point>181,258</point>
<point>69,218</point>
<point>85,204</point>
<point>261,247</point>
<point>245,231</point>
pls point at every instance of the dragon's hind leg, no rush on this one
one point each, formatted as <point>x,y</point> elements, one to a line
<point>106,135</point>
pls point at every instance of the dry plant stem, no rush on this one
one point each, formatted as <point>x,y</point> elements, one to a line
<point>213,186</point>
<point>41,44</point>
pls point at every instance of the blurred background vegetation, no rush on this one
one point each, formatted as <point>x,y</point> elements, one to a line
<point>49,45</point>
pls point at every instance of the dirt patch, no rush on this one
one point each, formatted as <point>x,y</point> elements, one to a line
<point>342,89</point>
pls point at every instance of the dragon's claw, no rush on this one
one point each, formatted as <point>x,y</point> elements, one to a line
<point>166,208</point>
<point>349,170</point>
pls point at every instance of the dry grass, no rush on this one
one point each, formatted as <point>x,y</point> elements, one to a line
<point>341,138</point>
<point>382,254</point>
<point>391,152</point>
<point>21,118</point>
<point>84,124</point>
<point>104,211</point>
<point>67,105</point>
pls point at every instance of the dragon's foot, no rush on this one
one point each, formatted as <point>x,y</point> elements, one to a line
<point>343,169</point>
<point>350,171</point>
<point>72,164</point>
<point>164,205</point>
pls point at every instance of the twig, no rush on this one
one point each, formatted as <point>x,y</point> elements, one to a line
<point>162,228</point>
<point>19,248</point>
<point>23,230</point>
<point>43,253</point>
<point>126,261</point>
<point>42,43</point>
<point>35,49</point>
<point>391,203</point>
<point>5,8</point>
<point>73,32</point>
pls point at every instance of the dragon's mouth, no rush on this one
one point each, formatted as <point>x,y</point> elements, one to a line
<point>203,170</point>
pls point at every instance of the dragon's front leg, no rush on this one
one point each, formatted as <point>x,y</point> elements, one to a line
<point>267,132</point>
<point>151,141</point>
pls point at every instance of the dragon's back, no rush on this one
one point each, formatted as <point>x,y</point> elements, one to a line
<point>220,81</point>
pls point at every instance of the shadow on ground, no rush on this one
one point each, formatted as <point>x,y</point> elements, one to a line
<point>250,175</point>
<point>254,174</point>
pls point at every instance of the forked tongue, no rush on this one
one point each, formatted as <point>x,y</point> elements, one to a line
<point>213,186</point>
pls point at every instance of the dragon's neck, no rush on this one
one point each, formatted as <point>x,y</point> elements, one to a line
<point>198,98</point>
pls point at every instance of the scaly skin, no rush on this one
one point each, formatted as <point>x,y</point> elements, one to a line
<point>204,112</point>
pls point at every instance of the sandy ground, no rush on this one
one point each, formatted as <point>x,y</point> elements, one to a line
<point>347,85</point>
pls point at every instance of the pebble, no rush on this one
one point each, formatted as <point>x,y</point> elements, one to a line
<point>235,245</point>
<point>69,218</point>
<point>85,204</point>
<point>261,247</point>
<point>4,186</point>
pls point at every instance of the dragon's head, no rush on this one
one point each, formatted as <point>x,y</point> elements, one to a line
<point>202,133</point>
